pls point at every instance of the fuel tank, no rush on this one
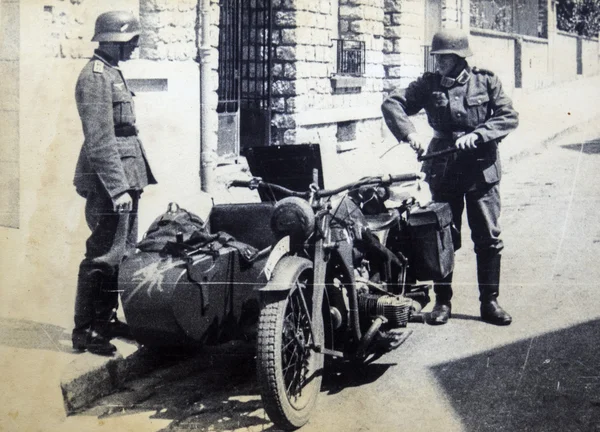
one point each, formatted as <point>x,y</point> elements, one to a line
<point>174,302</point>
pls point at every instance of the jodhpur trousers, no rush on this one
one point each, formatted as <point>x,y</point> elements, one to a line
<point>113,236</point>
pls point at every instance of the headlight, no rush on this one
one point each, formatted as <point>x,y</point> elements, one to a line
<point>293,216</point>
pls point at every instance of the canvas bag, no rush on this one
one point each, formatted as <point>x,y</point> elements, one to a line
<point>175,225</point>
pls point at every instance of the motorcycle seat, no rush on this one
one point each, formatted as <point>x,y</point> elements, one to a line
<point>246,222</point>
<point>382,221</point>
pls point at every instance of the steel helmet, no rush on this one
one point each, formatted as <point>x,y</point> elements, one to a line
<point>451,41</point>
<point>116,26</point>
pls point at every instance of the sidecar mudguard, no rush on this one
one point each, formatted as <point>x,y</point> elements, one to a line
<point>168,302</point>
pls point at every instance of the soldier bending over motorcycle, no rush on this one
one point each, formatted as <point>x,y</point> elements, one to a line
<point>468,110</point>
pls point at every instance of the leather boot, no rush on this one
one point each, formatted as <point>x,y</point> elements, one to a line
<point>91,341</point>
<point>488,276</point>
<point>442,310</point>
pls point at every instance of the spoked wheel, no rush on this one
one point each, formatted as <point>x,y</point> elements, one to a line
<point>289,369</point>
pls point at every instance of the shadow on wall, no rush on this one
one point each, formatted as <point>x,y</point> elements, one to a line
<point>549,383</point>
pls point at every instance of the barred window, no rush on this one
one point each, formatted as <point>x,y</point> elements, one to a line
<point>350,57</point>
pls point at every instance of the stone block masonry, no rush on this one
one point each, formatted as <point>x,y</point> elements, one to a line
<point>403,42</point>
<point>306,47</point>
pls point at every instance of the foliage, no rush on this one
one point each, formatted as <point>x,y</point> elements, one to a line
<point>579,16</point>
<point>508,16</point>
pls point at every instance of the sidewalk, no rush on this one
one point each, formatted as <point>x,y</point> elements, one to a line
<point>40,353</point>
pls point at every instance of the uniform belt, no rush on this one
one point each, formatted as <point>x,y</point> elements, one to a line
<point>125,131</point>
<point>448,135</point>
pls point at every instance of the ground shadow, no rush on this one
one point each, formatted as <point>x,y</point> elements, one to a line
<point>549,383</point>
<point>18,333</point>
<point>587,147</point>
<point>346,375</point>
<point>222,396</point>
<point>466,317</point>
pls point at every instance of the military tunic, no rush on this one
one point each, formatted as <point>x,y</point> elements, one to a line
<point>112,161</point>
<point>478,104</point>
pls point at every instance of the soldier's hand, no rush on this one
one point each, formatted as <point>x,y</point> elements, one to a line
<point>415,142</point>
<point>123,203</point>
<point>467,142</point>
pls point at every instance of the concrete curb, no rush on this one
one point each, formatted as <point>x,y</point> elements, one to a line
<point>90,377</point>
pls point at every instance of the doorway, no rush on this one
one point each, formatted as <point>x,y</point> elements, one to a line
<point>245,64</point>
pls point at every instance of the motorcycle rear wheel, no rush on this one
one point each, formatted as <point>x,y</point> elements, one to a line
<point>289,369</point>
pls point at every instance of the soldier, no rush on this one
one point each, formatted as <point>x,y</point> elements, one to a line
<point>111,173</point>
<point>468,110</point>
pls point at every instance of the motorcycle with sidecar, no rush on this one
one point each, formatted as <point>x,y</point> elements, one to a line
<point>336,273</point>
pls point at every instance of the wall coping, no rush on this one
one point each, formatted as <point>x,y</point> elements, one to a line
<point>564,33</point>
<point>534,39</point>
<point>576,36</point>
<point>492,33</point>
<point>336,115</point>
<point>503,35</point>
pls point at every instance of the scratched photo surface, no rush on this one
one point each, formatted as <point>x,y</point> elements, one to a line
<point>213,78</point>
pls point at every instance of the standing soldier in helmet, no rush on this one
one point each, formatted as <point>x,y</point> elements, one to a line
<point>111,173</point>
<point>468,110</point>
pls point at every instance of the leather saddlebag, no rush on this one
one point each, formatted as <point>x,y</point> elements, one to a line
<point>430,231</point>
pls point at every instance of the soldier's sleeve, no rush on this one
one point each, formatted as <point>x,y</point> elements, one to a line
<point>94,102</point>
<point>401,104</point>
<point>504,119</point>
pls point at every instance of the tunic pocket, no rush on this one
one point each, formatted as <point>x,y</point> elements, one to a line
<point>122,105</point>
<point>127,148</point>
<point>477,106</point>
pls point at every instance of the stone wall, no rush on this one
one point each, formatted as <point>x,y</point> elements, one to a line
<point>455,14</point>
<point>168,29</point>
<point>68,25</point>
<point>403,42</point>
<point>9,113</point>
<point>302,62</point>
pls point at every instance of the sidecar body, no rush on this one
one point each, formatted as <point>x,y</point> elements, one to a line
<point>207,298</point>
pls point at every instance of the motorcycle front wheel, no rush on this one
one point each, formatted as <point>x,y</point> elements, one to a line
<point>289,369</point>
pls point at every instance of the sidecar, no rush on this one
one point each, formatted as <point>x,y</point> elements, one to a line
<point>209,298</point>
<point>206,298</point>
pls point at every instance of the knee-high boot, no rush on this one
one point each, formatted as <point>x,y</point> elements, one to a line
<point>442,310</point>
<point>488,276</point>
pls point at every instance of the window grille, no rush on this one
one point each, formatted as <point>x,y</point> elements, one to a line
<point>350,57</point>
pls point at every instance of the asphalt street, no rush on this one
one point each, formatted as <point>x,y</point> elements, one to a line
<point>542,373</point>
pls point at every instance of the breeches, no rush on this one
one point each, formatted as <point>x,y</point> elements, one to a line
<point>113,236</point>
<point>483,213</point>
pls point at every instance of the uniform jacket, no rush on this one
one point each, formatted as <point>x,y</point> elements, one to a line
<point>478,105</point>
<point>108,162</point>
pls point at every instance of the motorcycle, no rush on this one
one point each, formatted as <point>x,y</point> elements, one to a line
<point>335,275</point>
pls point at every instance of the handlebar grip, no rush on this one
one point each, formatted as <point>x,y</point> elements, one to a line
<point>239,183</point>
<point>398,178</point>
<point>433,155</point>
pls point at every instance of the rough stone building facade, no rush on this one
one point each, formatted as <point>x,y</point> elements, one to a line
<point>279,71</point>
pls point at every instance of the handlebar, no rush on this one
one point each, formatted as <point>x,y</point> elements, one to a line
<point>428,156</point>
<point>255,183</point>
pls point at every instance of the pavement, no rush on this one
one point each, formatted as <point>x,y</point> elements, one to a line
<point>74,380</point>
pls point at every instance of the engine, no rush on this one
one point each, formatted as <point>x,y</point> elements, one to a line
<point>396,309</point>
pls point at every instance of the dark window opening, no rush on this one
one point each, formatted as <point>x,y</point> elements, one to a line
<point>346,131</point>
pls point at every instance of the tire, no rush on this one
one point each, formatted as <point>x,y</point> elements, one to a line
<point>289,371</point>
